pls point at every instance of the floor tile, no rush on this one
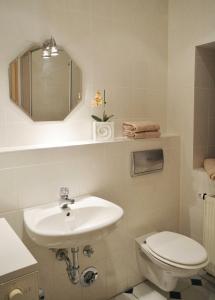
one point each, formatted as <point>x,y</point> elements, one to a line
<point>129,291</point>
<point>125,296</point>
<point>184,291</point>
<point>210,286</point>
<point>195,281</point>
<point>144,291</point>
<point>175,295</point>
<point>196,293</point>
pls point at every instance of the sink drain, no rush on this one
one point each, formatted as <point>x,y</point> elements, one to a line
<point>88,276</point>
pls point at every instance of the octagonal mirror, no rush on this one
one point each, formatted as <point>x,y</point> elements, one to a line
<point>45,87</point>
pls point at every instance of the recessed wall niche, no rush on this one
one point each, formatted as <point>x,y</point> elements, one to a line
<point>204,104</point>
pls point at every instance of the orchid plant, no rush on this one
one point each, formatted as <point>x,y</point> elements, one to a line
<point>98,101</point>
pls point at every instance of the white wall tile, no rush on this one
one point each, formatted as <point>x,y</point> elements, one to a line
<point>149,203</point>
<point>8,188</point>
<point>120,46</point>
<point>115,44</point>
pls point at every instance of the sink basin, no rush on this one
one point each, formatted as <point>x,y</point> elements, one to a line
<point>88,219</point>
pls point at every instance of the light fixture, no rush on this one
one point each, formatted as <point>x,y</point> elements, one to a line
<point>50,48</point>
<point>46,53</point>
<point>54,49</point>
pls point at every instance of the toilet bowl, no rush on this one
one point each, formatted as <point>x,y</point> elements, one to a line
<point>166,256</point>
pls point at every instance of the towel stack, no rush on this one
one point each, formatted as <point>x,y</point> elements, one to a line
<point>209,166</point>
<point>141,129</point>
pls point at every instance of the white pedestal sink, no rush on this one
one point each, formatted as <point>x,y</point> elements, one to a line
<point>88,219</point>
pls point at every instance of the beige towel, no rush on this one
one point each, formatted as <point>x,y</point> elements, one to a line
<point>142,134</point>
<point>209,165</point>
<point>140,126</point>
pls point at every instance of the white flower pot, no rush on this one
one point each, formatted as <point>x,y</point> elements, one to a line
<point>103,131</point>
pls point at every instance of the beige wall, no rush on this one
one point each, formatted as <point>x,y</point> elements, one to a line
<point>119,45</point>
<point>191,23</point>
<point>31,178</point>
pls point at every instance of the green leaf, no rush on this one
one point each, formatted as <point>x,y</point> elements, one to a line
<point>96,118</point>
<point>104,117</point>
<point>108,118</point>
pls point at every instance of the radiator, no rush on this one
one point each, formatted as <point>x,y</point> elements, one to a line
<point>209,232</point>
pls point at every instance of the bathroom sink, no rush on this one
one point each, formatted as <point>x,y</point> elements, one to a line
<point>88,219</point>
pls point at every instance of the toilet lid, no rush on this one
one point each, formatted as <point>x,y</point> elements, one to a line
<point>177,248</point>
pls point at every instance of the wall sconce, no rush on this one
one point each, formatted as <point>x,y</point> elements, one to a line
<point>50,48</point>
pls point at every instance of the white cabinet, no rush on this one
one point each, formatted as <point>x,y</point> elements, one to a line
<point>21,288</point>
<point>18,268</point>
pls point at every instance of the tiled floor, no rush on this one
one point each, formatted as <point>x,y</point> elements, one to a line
<point>187,289</point>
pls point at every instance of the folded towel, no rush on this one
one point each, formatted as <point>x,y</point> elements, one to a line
<point>209,165</point>
<point>140,126</point>
<point>142,134</point>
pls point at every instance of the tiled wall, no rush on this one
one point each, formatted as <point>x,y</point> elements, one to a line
<point>204,107</point>
<point>150,202</point>
<point>191,23</point>
<point>119,45</point>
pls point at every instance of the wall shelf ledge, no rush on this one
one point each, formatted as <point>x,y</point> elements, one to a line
<point>77,143</point>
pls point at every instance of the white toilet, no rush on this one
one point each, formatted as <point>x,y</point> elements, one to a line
<point>166,256</point>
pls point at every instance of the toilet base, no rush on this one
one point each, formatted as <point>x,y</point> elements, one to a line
<point>160,277</point>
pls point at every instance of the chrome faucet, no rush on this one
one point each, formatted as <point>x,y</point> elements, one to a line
<point>65,201</point>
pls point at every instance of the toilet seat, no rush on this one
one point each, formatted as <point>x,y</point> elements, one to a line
<point>175,250</point>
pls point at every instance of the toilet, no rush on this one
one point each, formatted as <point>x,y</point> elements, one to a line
<point>166,256</point>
